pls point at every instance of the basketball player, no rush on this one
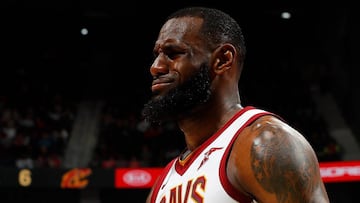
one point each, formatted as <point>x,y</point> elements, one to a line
<point>233,153</point>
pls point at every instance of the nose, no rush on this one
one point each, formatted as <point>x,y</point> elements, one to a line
<point>159,66</point>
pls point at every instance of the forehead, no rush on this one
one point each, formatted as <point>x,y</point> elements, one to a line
<point>182,29</point>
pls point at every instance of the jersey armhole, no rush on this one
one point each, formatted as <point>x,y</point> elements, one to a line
<point>240,196</point>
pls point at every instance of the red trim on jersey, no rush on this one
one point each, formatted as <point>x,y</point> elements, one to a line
<point>181,169</point>
<point>228,187</point>
<point>160,180</point>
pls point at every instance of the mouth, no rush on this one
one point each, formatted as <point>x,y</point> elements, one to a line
<point>160,84</point>
<point>157,87</point>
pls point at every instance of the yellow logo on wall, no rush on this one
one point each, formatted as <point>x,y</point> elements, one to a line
<point>76,178</point>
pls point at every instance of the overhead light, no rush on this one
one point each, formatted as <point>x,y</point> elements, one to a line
<point>84,31</point>
<point>285,15</point>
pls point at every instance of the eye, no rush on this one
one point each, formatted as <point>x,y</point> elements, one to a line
<point>172,55</point>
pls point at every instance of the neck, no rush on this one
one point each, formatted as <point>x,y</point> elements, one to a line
<point>201,125</point>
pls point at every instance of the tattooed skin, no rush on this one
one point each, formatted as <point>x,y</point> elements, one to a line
<point>281,163</point>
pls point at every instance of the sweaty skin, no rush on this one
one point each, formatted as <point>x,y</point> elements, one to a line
<point>270,162</point>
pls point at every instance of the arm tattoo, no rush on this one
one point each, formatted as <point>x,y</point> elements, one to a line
<point>282,165</point>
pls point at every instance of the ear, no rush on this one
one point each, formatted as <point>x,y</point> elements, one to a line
<point>224,58</point>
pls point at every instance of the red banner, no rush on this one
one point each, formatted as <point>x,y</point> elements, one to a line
<point>342,171</point>
<point>136,178</point>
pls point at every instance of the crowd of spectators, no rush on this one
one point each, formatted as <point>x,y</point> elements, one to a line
<point>34,130</point>
<point>126,140</point>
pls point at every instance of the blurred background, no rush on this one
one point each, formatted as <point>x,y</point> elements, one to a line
<point>75,75</point>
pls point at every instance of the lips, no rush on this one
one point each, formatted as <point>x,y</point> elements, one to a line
<point>159,86</point>
<point>160,83</point>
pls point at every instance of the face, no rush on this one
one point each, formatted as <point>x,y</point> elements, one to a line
<point>180,71</point>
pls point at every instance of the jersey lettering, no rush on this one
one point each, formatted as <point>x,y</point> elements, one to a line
<point>195,190</point>
<point>198,187</point>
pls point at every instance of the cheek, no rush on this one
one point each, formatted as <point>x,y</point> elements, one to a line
<point>185,72</point>
<point>181,74</point>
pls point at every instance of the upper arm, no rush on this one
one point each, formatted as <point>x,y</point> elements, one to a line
<point>277,164</point>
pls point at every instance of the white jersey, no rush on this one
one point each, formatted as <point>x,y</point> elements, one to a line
<point>201,177</point>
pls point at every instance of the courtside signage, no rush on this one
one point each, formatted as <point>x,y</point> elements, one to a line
<point>79,178</point>
<point>343,171</point>
<point>136,178</point>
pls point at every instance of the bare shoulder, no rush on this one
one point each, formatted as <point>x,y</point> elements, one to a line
<point>272,160</point>
<point>271,136</point>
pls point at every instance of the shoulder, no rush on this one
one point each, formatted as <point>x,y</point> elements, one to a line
<point>270,139</point>
<point>270,130</point>
<point>273,143</point>
<point>270,156</point>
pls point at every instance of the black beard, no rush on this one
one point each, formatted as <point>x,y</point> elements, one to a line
<point>180,100</point>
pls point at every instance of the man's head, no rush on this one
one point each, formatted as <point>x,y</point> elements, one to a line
<point>199,55</point>
<point>218,27</point>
